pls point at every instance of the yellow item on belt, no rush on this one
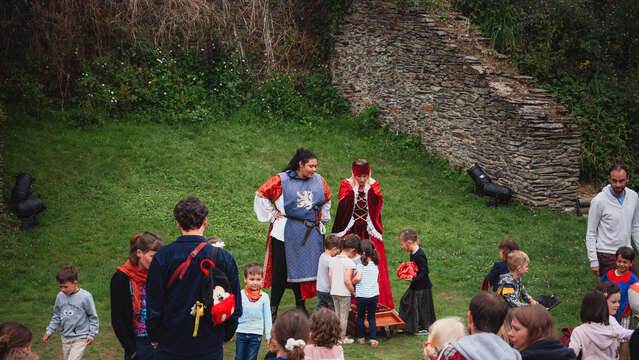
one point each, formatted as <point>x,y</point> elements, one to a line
<point>199,312</point>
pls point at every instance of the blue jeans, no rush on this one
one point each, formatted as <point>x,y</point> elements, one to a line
<point>247,346</point>
<point>366,307</point>
<point>143,349</point>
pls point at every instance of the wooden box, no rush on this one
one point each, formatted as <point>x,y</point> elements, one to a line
<point>386,320</point>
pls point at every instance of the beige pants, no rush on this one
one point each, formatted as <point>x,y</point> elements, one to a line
<point>73,348</point>
<point>342,307</point>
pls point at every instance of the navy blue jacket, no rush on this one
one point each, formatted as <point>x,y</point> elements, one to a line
<point>493,276</point>
<point>169,320</point>
<point>550,349</point>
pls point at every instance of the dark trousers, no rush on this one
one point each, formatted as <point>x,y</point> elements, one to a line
<point>366,307</point>
<point>324,299</point>
<point>143,349</point>
<point>278,259</point>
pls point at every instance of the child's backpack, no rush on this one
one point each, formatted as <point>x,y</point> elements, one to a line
<point>214,302</point>
<point>565,335</point>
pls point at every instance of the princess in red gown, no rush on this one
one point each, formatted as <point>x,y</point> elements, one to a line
<point>359,212</point>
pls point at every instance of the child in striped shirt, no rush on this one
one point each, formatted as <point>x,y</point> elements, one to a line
<point>367,291</point>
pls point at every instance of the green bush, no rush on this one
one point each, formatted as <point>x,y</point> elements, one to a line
<point>587,54</point>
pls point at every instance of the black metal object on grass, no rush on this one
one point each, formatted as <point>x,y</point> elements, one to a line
<point>26,209</point>
<point>484,186</point>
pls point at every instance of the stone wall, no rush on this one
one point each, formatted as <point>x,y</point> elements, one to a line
<point>427,77</point>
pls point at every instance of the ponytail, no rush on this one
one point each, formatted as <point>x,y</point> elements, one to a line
<point>303,155</point>
<point>291,331</point>
<point>368,251</point>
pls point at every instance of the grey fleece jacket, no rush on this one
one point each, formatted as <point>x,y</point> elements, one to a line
<point>75,315</point>
<point>610,225</point>
<point>486,346</point>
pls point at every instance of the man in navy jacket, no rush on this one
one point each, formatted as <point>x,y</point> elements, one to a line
<point>170,323</point>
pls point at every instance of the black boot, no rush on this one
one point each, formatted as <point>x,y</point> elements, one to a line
<point>273,313</point>
<point>301,305</point>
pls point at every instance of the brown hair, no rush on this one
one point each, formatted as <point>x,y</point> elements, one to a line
<point>594,308</point>
<point>617,167</point>
<point>325,328</point>
<point>67,273</point>
<point>351,241</point>
<point>368,251</point>
<point>515,259</point>
<point>537,320</point>
<point>360,162</point>
<point>331,241</point>
<point>253,268</point>
<point>407,234</point>
<point>488,311</point>
<point>626,253</point>
<point>147,241</point>
<point>14,337</point>
<point>508,245</point>
<point>608,288</point>
<point>506,326</point>
<point>292,324</point>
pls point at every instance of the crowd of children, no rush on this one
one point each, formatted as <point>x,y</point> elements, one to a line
<point>348,272</point>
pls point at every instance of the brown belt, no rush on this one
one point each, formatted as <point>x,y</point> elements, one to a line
<point>309,226</point>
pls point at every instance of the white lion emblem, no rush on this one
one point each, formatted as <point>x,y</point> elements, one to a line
<point>305,199</point>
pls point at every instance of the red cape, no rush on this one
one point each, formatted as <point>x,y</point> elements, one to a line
<point>342,219</point>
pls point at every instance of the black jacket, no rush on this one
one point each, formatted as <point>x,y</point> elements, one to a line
<point>122,311</point>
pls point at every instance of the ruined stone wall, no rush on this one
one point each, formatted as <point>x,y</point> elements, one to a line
<point>428,78</point>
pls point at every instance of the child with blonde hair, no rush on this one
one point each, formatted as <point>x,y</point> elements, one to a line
<point>443,331</point>
<point>325,336</point>
<point>511,286</point>
<point>416,307</point>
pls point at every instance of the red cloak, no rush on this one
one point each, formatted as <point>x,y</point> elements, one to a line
<point>344,222</point>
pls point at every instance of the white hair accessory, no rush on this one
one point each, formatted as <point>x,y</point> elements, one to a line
<point>292,344</point>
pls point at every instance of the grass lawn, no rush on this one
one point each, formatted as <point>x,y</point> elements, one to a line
<point>103,184</point>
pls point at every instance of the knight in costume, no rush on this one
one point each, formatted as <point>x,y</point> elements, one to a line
<point>297,203</point>
<point>359,212</point>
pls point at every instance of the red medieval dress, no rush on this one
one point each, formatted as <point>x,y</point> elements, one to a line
<point>359,212</point>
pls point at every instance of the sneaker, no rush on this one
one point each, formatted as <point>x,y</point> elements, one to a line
<point>361,341</point>
<point>374,343</point>
<point>422,332</point>
<point>347,341</point>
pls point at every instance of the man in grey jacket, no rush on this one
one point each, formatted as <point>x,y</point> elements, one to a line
<point>486,314</point>
<point>612,220</point>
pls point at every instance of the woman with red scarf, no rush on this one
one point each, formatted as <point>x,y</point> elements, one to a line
<point>128,297</point>
<point>359,212</point>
